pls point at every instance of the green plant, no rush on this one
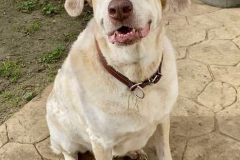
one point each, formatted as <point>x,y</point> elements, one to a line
<point>11,98</point>
<point>54,56</point>
<point>69,37</point>
<point>30,28</point>
<point>48,9</point>
<point>29,96</point>
<point>7,95</point>
<point>11,70</point>
<point>28,5</point>
<point>16,100</point>
<point>16,27</point>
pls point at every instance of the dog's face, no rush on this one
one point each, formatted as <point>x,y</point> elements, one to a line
<point>125,22</point>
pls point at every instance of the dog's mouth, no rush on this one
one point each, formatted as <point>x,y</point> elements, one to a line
<point>126,35</point>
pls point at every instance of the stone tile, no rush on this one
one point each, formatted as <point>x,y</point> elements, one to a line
<point>217,96</point>
<point>3,135</point>
<point>174,19</point>
<point>197,2</point>
<point>237,41</point>
<point>229,17</point>
<point>205,21</point>
<point>191,119</point>
<point>229,121</point>
<point>181,52</point>
<point>198,9</point>
<point>177,144</point>
<point>44,149</point>
<point>223,17</point>
<point>229,74</point>
<point>218,52</point>
<point>16,151</point>
<point>193,77</point>
<point>185,36</point>
<point>224,33</point>
<point>29,124</point>
<point>212,147</point>
<point>151,153</point>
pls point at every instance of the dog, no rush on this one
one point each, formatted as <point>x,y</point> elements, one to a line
<point>116,88</point>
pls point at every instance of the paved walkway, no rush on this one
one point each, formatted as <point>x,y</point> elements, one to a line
<point>206,118</point>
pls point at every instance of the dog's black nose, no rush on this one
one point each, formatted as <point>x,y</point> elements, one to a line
<point>120,9</point>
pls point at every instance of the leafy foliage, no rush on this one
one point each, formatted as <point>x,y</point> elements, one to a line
<point>54,56</point>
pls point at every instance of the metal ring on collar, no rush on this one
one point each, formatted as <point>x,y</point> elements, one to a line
<point>138,87</point>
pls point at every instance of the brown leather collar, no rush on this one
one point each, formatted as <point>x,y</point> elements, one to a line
<point>131,85</point>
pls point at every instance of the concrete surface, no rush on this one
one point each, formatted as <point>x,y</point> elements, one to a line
<point>205,123</point>
<point>223,3</point>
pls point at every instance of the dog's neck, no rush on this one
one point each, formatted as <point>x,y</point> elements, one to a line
<point>138,61</point>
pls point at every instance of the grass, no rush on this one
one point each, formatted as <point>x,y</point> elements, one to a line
<point>28,6</point>
<point>7,95</point>
<point>16,100</point>
<point>70,37</point>
<point>54,56</point>
<point>11,98</point>
<point>49,9</point>
<point>31,28</point>
<point>11,70</point>
<point>29,96</point>
<point>28,28</point>
<point>16,27</point>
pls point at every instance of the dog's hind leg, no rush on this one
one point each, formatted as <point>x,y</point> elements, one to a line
<point>161,140</point>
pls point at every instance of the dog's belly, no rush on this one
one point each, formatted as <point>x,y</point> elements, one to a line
<point>134,141</point>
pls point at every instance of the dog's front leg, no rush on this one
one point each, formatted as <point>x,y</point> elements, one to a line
<point>161,140</point>
<point>101,152</point>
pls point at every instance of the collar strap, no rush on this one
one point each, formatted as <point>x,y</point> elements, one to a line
<point>131,85</point>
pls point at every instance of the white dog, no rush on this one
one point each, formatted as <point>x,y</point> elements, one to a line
<point>109,97</point>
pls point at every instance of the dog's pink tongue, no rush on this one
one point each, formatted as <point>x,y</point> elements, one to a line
<point>122,38</point>
<point>125,38</point>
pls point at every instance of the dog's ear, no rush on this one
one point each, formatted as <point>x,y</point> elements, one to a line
<point>74,7</point>
<point>176,5</point>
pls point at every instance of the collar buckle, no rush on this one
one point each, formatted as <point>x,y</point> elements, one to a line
<point>155,79</point>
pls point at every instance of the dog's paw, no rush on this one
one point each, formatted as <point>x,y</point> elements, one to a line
<point>136,155</point>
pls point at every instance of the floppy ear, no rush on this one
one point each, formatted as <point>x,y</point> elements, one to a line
<point>176,5</point>
<point>74,7</point>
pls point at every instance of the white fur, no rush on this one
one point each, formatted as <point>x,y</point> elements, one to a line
<point>88,109</point>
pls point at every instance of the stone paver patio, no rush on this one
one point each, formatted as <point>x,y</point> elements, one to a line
<point>205,122</point>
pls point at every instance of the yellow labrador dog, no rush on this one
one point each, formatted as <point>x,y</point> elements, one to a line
<point>118,84</point>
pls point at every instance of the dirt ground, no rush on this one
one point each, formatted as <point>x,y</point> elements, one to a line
<point>33,45</point>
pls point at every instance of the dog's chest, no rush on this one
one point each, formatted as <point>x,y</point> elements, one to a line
<point>127,117</point>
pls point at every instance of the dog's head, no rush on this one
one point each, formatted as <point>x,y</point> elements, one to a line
<point>125,22</point>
